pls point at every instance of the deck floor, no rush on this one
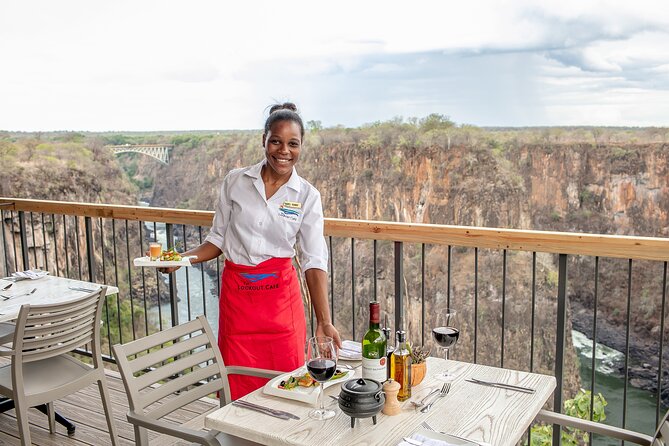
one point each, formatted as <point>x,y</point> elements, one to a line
<point>84,409</point>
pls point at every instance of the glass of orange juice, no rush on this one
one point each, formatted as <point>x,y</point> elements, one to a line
<point>155,249</point>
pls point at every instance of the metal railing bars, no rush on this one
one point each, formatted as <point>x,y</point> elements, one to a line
<point>130,287</point>
<point>55,243</point>
<point>503,306</point>
<point>659,368</point>
<point>32,232</point>
<point>201,265</point>
<point>331,261</point>
<point>77,245</point>
<point>67,253</point>
<point>104,280</point>
<point>4,243</point>
<point>476,302</point>
<point>594,343</point>
<point>140,226</point>
<point>188,307</point>
<point>422,294</point>
<point>399,286</point>
<point>172,279</point>
<point>46,248</point>
<point>627,340</point>
<point>24,240</point>
<point>560,341</point>
<point>116,282</point>
<point>353,287</point>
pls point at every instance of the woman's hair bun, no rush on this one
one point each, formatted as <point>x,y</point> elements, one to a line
<point>285,106</point>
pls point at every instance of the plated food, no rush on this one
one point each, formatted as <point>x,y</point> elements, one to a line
<point>305,380</point>
<point>305,393</point>
<point>167,259</point>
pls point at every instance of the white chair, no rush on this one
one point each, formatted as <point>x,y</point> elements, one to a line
<point>661,437</point>
<point>42,371</point>
<point>167,370</point>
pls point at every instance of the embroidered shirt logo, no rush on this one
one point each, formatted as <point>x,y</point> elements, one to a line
<point>253,278</point>
<point>290,210</point>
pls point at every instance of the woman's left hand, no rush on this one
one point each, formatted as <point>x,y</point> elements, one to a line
<point>329,330</point>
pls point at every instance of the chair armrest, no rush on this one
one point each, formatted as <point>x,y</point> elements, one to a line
<point>591,426</point>
<point>251,371</point>
<point>172,429</point>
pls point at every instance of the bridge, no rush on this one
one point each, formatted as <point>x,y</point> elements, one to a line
<point>161,152</point>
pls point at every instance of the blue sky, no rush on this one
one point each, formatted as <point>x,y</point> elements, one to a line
<point>163,65</point>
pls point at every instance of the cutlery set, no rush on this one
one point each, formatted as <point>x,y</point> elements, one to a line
<point>442,393</point>
<point>501,385</point>
<point>266,410</point>
<point>7,296</point>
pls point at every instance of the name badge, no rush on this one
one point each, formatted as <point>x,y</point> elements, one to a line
<point>291,205</point>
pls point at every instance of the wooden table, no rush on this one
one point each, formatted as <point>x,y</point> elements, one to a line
<point>49,290</point>
<point>497,416</point>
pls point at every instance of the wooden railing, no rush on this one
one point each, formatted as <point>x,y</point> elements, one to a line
<point>625,247</point>
<point>399,234</point>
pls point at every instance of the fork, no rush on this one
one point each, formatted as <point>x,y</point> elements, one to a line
<point>444,391</point>
<point>6,297</point>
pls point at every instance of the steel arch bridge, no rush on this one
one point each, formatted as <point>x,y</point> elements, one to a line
<point>161,152</point>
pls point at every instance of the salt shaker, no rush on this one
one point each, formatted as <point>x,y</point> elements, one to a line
<point>392,406</point>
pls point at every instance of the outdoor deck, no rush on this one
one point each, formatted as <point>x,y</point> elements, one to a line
<point>84,409</point>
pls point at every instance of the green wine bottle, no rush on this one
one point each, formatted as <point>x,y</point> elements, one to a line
<point>374,347</point>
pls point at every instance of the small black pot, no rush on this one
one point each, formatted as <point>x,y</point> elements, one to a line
<point>361,398</point>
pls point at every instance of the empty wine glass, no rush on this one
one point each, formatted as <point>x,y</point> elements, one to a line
<point>445,333</point>
<point>321,365</point>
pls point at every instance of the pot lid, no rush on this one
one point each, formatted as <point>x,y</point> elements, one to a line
<point>361,386</point>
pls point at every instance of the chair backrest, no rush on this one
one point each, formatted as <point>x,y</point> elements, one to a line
<point>661,437</point>
<point>45,331</point>
<point>174,367</point>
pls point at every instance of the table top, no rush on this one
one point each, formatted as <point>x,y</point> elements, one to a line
<point>480,413</point>
<point>48,290</point>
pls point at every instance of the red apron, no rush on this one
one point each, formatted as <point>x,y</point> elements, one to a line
<point>261,320</point>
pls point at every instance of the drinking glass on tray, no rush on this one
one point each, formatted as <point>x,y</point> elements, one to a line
<point>445,333</point>
<point>321,365</point>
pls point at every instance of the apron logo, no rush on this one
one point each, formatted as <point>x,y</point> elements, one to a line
<point>253,278</point>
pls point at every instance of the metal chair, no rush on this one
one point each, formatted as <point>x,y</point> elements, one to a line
<point>42,371</point>
<point>661,437</point>
<point>167,370</point>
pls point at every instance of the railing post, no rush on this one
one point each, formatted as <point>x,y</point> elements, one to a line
<point>172,280</point>
<point>24,240</point>
<point>399,286</point>
<point>560,337</point>
<point>90,249</point>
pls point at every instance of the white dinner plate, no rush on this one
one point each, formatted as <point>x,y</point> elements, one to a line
<point>146,261</point>
<point>299,393</point>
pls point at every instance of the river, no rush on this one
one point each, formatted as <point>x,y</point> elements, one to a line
<point>609,382</point>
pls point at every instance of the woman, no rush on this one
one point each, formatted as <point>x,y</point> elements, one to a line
<point>261,212</point>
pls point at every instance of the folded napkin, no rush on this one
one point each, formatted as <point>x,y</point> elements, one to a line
<point>350,350</point>
<point>30,274</point>
<point>424,441</point>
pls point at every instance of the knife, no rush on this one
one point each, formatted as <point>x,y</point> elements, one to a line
<point>266,410</point>
<point>501,385</point>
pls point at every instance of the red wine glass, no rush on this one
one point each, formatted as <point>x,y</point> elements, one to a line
<point>321,365</point>
<point>445,334</point>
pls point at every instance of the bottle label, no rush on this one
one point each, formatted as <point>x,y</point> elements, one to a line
<point>375,369</point>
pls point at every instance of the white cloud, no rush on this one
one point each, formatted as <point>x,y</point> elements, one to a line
<point>210,64</point>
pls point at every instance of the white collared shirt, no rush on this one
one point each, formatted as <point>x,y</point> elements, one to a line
<point>250,229</point>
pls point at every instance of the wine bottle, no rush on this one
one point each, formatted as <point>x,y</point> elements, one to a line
<point>400,366</point>
<point>374,348</point>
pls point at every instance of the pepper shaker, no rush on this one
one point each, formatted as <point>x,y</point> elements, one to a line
<point>392,406</point>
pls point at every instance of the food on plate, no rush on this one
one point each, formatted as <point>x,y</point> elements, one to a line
<point>170,255</point>
<point>306,380</point>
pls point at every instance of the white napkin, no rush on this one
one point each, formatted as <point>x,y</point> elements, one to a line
<point>425,441</point>
<point>30,274</point>
<point>350,350</point>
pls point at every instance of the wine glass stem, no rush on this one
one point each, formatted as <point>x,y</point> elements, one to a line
<point>446,353</point>
<point>320,396</point>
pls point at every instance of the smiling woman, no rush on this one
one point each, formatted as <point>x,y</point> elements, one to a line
<point>262,212</point>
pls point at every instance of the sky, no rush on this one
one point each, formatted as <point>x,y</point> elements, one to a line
<point>138,65</point>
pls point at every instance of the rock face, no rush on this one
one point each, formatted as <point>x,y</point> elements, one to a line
<point>577,187</point>
<point>461,177</point>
